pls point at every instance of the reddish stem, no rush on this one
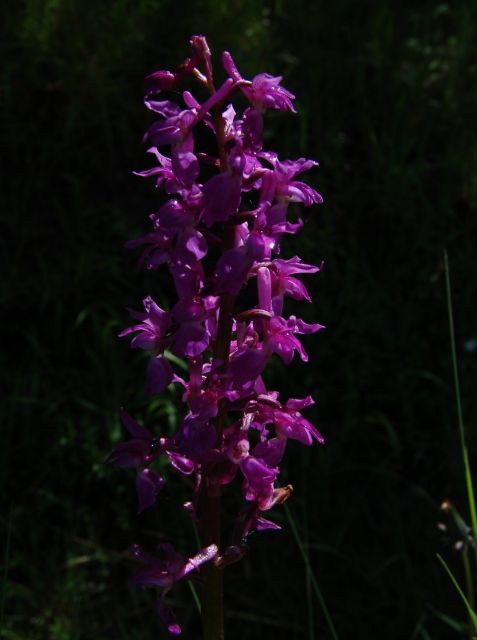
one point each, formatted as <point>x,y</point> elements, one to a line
<point>209,497</point>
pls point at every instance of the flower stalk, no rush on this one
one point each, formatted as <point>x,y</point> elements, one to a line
<point>234,430</point>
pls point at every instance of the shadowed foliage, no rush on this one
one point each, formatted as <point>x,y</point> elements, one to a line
<point>387,102</point>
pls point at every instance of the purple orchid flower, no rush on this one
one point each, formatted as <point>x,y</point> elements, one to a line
<point>138,452</point>
<point>282,340</point>
<point>163,572</point>
<point>152,327</point>
<point>151,335</point>
<point>264,92</point>
<point>163,173</point>
<point>221,227</point>
<point>280,182</point>
<point>283,284</point>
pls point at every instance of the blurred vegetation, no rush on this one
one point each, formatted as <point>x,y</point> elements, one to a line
<point>387,103</point>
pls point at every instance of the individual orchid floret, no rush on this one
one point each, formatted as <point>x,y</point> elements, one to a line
<point>160,81</point>
<point>283,284</point>
<point>151,336</point>
<point>261,469</point>
<point>151,329</point>
<point>264,92</point>
<point>164,571</point>
<point>259,482</point>
<point>267,93</point>
<point>280,182</point>
<point>287,419</point>
<point>175,130</point>
<point>192,336</point>
<point>158,246</point>
<point>148,486</point>
<point>139,452</point>
<point>164,80</point>
<point>269,225</point>
<point>282,340</point>
<point>163,173</point>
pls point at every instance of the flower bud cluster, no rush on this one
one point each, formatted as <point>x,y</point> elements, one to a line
<point>219,235</point>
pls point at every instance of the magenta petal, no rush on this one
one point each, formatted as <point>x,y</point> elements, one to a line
<point>162,132</point>
<point>293,425</point>
<point>156,258</point>
<point>181,463</point>
<point>191,339</point>
<point>305,328</point>
<point>262,524</point>
<point>174,629</point>
<point>270,452</point>
<point>222,197</point>
<point>168,618</point>
<point>247,364</point>
<point>159,317</point>
<point>296,404</point>
<point>191,245</point>
<point>230,67</point>
<point>145,341</point>
<point>148,485</point>
<point>159,375</point>
<point>258,474</point>
<point>294,288</point>
<point>188,278</point>
<point>232,270</point>
<point>264,285</point>
<point>260,245</point>
<point>134,428</point>
<point>129,454</point>
<point>185,166</point>
<point>283,345</point>
<point>153,575</point>
<point>294,265</point>
<point>165,108</point>
<point>173,215</point>
<point>159,81</point>
<point>252,129</point>
<point>267,92</point>
<point>196,437</point>
<point>204,555</point>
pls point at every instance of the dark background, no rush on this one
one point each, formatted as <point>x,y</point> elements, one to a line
<point>386,94</point>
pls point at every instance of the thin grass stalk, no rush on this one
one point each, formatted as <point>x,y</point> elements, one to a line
<point>469,585</point>
<point>460,420</point>
<point>472,615</point>
<point>313,580</point>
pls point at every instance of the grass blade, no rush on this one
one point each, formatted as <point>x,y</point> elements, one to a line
<point>313,580</point>
<point>471,612</point>
<point>465,455</point>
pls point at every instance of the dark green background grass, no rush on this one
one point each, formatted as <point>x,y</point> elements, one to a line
<point>387,103</point>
